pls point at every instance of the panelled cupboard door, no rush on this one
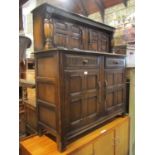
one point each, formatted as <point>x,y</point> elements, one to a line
<point>91,95</point>
<point>122,139</point>
<point>74,87</point>
<point>104,145</point>
<point>114,89</point>
<point>81,96</point>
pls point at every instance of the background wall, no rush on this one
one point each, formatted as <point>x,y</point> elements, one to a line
<point>123,19</point>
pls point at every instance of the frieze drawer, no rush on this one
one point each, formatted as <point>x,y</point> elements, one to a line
<point>71,60</point>
<point>114,62</point>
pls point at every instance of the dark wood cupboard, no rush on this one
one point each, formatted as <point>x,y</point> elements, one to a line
<point>80,84</point>
<point>77,91</point>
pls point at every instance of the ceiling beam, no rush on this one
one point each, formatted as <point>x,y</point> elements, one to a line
<point>125,2</point>
<point>101,7</point>
<point>83,4</point>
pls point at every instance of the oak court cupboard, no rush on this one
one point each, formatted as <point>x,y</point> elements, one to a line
<point>80,84</point>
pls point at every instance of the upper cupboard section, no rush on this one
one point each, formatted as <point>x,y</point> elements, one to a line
<point>56,28</point>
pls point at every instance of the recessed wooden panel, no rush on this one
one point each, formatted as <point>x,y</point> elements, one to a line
<point>119,77</point>
<point>75,37</point>
<point>92,105</point>
<point>93,46</point>
<point>91,81</point>
<point>75,110</point>
<point>103,43</point>
<point>43,70</point>
<point>60,25</point>
<point>47,116</point>
<point>75,42</point>
<point>75,29</point>
<point>120,96</point>
<point>60,39</point>
<point>75,84</point>
<point>93,40</point>
<point>46,92</point>
<point>109,77</point>
<point>93,35</point>
<point>109,99</point>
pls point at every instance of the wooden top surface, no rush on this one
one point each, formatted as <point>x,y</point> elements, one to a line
<point>76,51</point>
<point>45,146</point>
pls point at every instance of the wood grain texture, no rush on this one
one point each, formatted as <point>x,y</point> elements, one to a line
<point>104,145</point>
<point>70,52</point>
<point>76,92</point>
<point>98,142</point>
<point>122,139</point>
<point>54,27</point>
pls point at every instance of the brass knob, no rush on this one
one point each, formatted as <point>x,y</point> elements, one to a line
<point>85,61</point>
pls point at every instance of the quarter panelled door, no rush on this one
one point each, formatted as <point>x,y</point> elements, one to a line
<point>74,99</point>
<point>81,95</point>
<point>114,88</point>
<point>91,95</point>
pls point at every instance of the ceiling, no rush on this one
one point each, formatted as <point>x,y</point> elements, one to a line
<point>84,7</point>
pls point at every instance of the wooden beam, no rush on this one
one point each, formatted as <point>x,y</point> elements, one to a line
<point>83,4</point>
<point>125,2</point>
<point>101,7</point>
<point>21,2</point>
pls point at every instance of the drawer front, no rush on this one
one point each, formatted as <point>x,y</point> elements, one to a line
<point>71,60</point>
<point>114,62</point>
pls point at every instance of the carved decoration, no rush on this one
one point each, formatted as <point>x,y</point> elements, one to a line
<point>48,32</point>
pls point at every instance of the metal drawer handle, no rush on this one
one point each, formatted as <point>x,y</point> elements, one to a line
<point>105,89</point>
<point>105,83</point>
<point>85,61</point>
<point>115,62</point>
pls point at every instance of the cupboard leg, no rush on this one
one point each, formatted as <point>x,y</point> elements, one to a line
<point>61,144</point>
<point>40,132</point>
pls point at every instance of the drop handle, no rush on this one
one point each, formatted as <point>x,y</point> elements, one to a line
<point>85,61</point>
<point>105,89</point>
<point>105,83</point>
